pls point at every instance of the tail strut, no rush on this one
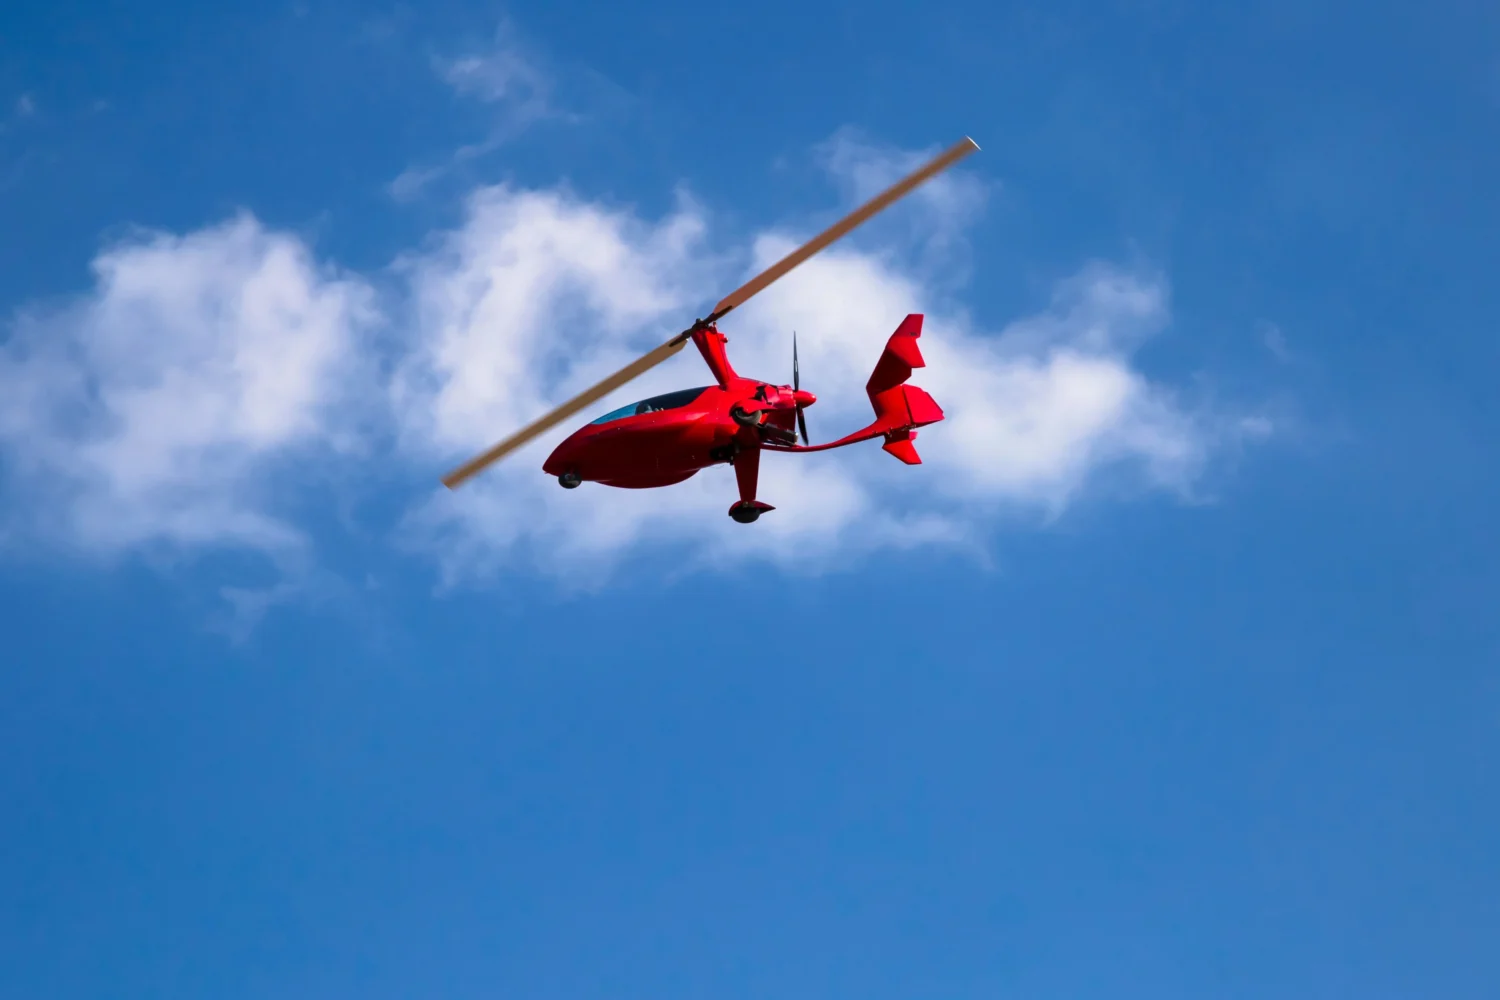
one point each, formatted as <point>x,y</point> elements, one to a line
<point>899,408</point>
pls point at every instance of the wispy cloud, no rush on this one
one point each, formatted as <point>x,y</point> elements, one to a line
<point>509,78</point>
<point>864,167</point>
<point>1275,342</point>
<point>25,106</point>
<point>933,221</point>
<point>208,378</point>
<point>501,75</point>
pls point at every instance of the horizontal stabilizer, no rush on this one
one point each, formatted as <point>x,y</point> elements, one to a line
<point>921,408</point>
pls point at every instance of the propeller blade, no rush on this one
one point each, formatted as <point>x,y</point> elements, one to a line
<point>844,226</point>
<point>797,384</point>
<point>736,298</point>
<point>542,424</point>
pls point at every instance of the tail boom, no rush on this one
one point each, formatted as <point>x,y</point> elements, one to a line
<point>899,408</point>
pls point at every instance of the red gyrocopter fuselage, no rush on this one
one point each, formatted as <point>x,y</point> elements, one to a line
<point>668,438</point>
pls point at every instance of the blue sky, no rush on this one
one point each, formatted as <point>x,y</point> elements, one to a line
<point>1172,672</point>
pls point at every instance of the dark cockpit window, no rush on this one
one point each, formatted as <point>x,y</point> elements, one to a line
<point>667,401</point>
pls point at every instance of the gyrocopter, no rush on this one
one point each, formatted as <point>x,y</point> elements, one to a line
<point>666,439</point>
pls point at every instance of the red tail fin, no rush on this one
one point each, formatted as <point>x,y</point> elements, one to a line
<point>900,408</point>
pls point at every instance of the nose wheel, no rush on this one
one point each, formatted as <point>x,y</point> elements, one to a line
<point>569,480</point>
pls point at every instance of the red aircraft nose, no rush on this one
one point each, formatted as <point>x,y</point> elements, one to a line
<point>804,398</point>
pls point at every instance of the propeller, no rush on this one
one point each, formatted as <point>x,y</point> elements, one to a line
<point>797,384</point>
<point>733,300</point>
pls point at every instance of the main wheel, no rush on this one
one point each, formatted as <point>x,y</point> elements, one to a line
<point>745,515</point>
<point>569,480</point>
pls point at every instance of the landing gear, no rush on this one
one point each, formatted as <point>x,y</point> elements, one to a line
<point>569,480</point>
<point>746,471</point>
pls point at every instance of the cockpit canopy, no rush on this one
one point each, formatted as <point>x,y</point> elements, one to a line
<point>666,401</point>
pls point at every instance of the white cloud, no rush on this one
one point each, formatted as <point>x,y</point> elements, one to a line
<point>537,285</point>
<point>152,411</point>
<point>206,376</point>
<point>539,295</point>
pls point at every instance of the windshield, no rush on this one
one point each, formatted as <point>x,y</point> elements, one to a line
<point>668,401</point>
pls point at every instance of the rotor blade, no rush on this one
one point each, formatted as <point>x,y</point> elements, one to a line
<point>647,361</point>
<point>796,378</point>
<point>734,299</point>
<point>802,426</point>
<point>839,229</point>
